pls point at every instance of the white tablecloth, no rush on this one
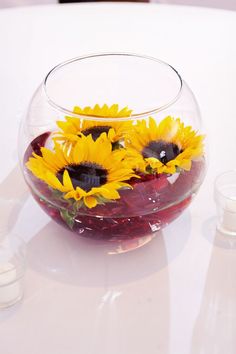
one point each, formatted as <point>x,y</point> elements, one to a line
<point>177,294</point>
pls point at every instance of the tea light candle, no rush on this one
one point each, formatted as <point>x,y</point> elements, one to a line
<point>225,198</point>
<point>10,289</point>
<point>229,215</point>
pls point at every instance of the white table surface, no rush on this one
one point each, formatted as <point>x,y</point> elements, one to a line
<point>177,294</point>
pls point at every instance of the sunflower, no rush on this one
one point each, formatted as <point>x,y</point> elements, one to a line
<point>163,147</point>
<point>81,173</point>
<point>73,127</point>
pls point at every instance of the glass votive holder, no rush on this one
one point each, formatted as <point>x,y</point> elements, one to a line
<point>225,198</point>
<point>12,270</point>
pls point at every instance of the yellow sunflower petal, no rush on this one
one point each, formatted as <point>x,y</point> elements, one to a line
<point>125,112</point>
<point>77,194</point>
<point>72,195</point>
<point>63,126</point>
<point>90,201</point>
<point>154,163</point>
<point>107,192</point>
<point>80,152</point>
<point>49,158</point>
<point>53,181</point>
<point>67,181</point>
<point>185,164</point>
<point>112,134</point>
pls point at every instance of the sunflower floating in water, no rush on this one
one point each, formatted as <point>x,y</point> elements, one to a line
<point>92,160</point>
<point>82,174</point>
<point>165,147</point>
<point>73,127</point>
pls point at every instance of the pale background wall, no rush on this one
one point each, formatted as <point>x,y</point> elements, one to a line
<point>12,3</point>
<point>224,4</point>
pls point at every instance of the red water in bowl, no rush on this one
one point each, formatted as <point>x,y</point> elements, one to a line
<point>154,202</point>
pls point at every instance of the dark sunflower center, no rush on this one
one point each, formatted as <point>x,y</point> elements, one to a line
<point>96,131</point>
<point>161,150</point>
<point>85,175</point>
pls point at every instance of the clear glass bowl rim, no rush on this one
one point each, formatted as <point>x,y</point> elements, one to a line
<point>132,116</point>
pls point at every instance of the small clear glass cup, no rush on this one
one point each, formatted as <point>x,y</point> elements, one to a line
<point>225,198</point>
<point>12,269</point>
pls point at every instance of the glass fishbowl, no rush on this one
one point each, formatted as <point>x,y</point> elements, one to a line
<point>112,145</point>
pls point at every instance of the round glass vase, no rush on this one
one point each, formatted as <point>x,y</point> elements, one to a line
<point>112,147</point>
